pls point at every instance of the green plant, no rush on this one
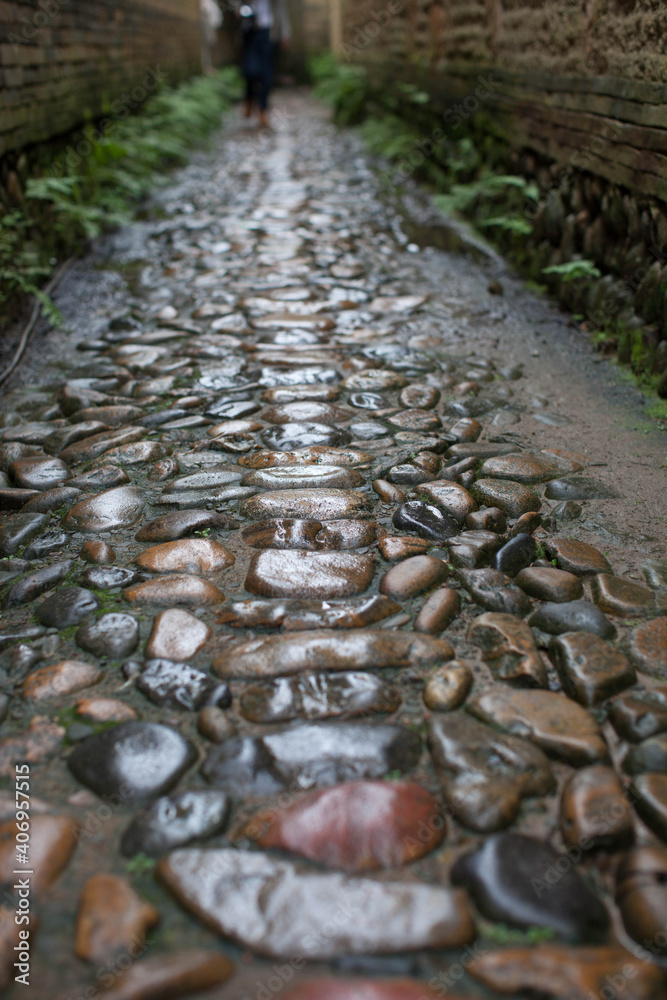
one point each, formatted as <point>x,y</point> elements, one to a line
<point>573,270</point>
<point>140,864</point>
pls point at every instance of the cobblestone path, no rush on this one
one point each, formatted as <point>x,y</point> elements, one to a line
<point>334,635</point>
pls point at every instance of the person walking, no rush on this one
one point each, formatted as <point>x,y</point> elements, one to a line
<point>263,25</point>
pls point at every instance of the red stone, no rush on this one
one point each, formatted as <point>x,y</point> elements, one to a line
<point>357,826</point>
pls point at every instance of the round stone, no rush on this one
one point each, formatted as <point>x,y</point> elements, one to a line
<point>648,647</point>
<point>113,636</point>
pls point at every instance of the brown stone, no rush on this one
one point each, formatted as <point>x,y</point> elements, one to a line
<point>617,596</point>
<point>357,826</point>
<point>508,645</point>
<point>387,492</point>
<point>590,668</point>
<point>171,974</point>
<point>415,420</point>
<point>111,918</point>
<point>101,477</point>
<point>559,726</point>
<point>466,429</point>
<point>594,811</point>
<point>648,647</point>
<point>422,397</point>
<point>177,635</point>
<point>306,410</point>
<point>188,555</point>
<point>487,519</point>
<point>51,845</point>
<point>105,710</point>
<point>649,795</point>
<point>323,649</point>
<point>438,610</point>
<point>412,576</point>
<point>291,477</point>
<point>318,504</point>
<point>637,715</point>
<point>641,896</point>
<point>314,455</point>
<point>97,552</point>
<point>64,678</point>
<point>576,557</point>
<point>363,989</point>
<point>549,584</point>
<point>97,444</point>
<point>182,523</point>
<point>283,533</point>
<point>346,534</point>
<point>39,473</point>
<point>39,741</point>
<point>393,548</point>
<point>181,589</point>
<point>375,380</point>
<point>214,724</point>
<point>275,573</point>
<point>514,498</point>
<point>450,497</point>
<point>521,468</point>
<point>133,453</point>
<point>448,687</point>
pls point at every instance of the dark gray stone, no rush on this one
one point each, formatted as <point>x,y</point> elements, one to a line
<point>425,520</point>
<point>578,488</point>
<point>66,607</point>
<point>288,437</point>
<point>516,555</point>
<point>173,821</point>
<point>113,636</point>
<point>31,586</point>
<point>18,530</point>
<point>573,616</point>
<point>494,591</point>
<point>178,685</point>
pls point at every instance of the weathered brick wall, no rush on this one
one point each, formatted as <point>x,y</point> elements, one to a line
<point>570,75</point>
<point>63,61</point>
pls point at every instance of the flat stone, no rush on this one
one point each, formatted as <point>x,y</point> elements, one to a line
<point>64,678</point>
<point>486,774</point>
<point>102,477</point>
<point>590,669</point>
<point>15,498</point>
<point>177,635</point>
<point>515,555</point>
<point>361,989</point>
<point>296,614</point>
<point>512,497</point>
<point>112,636</point>
<point>293,477</point>
<point>394,548</point>
<point>286,437</point>
<point>405,475</point>
<point>523,467</point>
<point>318,696</point>
<point>11,451</point>
<point>323,649</point>
<point>111,919</point>
<point>53,840</point>
<point>438,610</point>
<point>133,760</point>
<point>576,557</point>
<point>375,380</point>
<point>232,409</point>
<point>38,742</point>
<point>415,420</point>
<point>412,576</point>
<point>426,520</point>
<point>562,514</point>
<point>270,906</point>
<point>636,715</point>
<point>209,480</point>
<point>495,592</point>
<point>18,530</point>
<point>423,397</point>
<point>314,455</point>
<point>367,401</point>
<point>360,826</point>
<point>452,498</point>
<point>578,488</point>
<point>191,555</point>
<point>562,728</point>
<point>472,549</point>
<point>177,589</point>
<point>60,496</point>
<point>104,710</point>
<point>181,524</point>
<point>311,755</point>
<point>174,821</point>
<point>317,504</point>
<point>448,687</point>
<point>572,616</point>
<point>563,973</point>
<point>488,519</point>
<point>305,411</point>
<point>109,577</point>
<point>549,584</point>
<point>111,416</point>
<point>649,755</point>
<point>641,896</point>
<point>621,597</point>
<point>508,646</point>
<point>655,573</point>
<point>39,473</point>
<point>594,812</point>
<point>34,584</point>
<point>112,509</point>
<point>648,647</point>
<point>305,574</point>
<point>502,876</point>
<point>283,533</point>
<point>68,606</point>
<point>177,972</point>
<point>294,393</point>
<point>648,794</point>
<point>177,685</point>
<point>95,445</point>
<point>346,534</point>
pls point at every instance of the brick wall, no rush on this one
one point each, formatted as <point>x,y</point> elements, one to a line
<point>63,61</point>
<point>570,75</point>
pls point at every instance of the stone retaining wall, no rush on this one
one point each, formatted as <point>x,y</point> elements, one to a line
<point>66,61</point>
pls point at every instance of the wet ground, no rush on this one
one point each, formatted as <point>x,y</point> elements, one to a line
<point>334,568</point>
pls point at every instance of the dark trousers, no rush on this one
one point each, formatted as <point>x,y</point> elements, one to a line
<point>257,65</point>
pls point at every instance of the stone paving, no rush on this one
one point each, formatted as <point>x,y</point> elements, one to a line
<point>335,674</point>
